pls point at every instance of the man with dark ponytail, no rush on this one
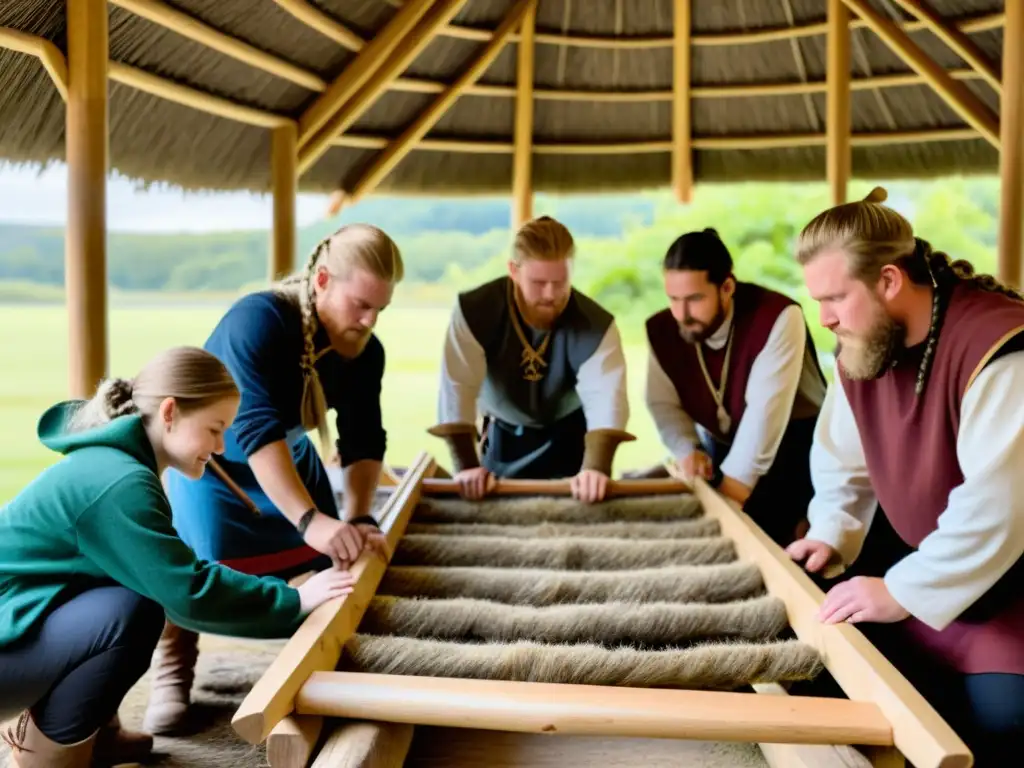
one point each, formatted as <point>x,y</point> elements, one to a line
<point>296,351</point>
<point>544,364</point>
<point>733,384</point>
<point>923,420</point>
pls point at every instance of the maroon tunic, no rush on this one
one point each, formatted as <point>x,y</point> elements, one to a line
<point>755,310</point>
<point>910,450</point>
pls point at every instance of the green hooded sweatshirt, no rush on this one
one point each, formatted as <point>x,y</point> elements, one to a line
<point>100,516</point>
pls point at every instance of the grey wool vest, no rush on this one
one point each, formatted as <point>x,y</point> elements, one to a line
<point>515,391</point>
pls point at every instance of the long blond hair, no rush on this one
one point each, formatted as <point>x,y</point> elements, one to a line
<point>872,236</point>
<point>353,247</point>
<point>192,376</point>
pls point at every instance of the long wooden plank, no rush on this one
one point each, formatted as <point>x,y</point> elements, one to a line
<point>592,709</point>
<point>434,487</point>
<point>858,667</point>
<point>318,642</point>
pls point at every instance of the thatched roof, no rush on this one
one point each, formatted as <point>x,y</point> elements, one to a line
<point>618,51</point>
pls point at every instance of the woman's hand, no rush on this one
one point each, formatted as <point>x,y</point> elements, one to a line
<point>340,541</point>
<point>324,586</point>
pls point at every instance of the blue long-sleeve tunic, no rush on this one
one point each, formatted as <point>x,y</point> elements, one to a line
<point>260,340</point>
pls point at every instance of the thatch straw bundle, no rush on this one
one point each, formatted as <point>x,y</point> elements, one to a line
<point>637,591</point>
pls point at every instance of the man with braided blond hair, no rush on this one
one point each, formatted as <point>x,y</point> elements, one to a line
<point>544,363</point>
<point>297,350</point>
<point>923,420</point>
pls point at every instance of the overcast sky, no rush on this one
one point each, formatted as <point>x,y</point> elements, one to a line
<point>30,197</point>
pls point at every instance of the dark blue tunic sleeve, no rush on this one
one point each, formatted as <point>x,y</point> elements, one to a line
<point>356,400</point>
<point>255,341</point>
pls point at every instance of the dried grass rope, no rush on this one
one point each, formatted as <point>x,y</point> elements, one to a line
<point>637,591</point>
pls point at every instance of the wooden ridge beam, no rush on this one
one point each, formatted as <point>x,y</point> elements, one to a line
<point>959,98</point>
<point>858,667</point>
<point>193,29</point>
<point>49,55</point>
<point>569,709</point>
<point>682,124</point>
<point>356,74</point>
<point>318,642</point>
<point>522,155</point>
<point>390,157</point>
<point>346,113</point>
<point>956,39</point>
<point>721,143</point>
<point>838,122</point>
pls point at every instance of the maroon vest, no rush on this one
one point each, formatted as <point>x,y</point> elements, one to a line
<point>755,310</point>
<point>910,449</point>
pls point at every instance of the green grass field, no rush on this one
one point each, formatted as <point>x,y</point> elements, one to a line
<point>35,375</point>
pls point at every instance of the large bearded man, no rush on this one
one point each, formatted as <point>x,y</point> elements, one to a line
<point>733,384</point>
<point>544,363</point>
<point>924,418</point>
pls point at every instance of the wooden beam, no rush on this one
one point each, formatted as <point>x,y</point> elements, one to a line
<point>326,25</point>
<point>293,740</point>
<point>522,155</point>
<point>284,178</point>
<point>360,744</point>
<point>958,96</point>
<point>568,709</point>
<point>1011,158</point>
<point>858,667</point>
<point>86,142</point>
<point>377,83</point>
<point>317,643</point>
<point>200,32</point>
<point>506,487</point>
<point>49,55</point>
<point>682,129</point>
<point>838,124</point>
<point>392,156</point>
<point>193,98</point>
<point>718,143</point>
<point>956,39</point>
<point>359,71</point>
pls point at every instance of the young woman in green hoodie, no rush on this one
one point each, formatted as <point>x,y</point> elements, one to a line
<point>90,563</point>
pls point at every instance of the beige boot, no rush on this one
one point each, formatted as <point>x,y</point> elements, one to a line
<point>173,671</point>
<point>31,748</point>
<point>116,746</point>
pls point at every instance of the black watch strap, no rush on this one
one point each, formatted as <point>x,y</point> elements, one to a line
<point>305,520</point>
<point>364,519</point>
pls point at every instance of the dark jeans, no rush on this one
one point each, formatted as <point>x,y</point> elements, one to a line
<point>549,453</point>
<point>986,710</point>
<point>73,673</point>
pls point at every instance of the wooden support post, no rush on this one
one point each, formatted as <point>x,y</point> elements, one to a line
<point>682,129</point>
<point>522,156</point>
<point>284,158</point>
<point>1011,156</point>
<point>838,125</point>
<point>957,95</point>
<point>317,644</point>
<point>85,250</point>
<point>864,674</point>
<point>382,165</point>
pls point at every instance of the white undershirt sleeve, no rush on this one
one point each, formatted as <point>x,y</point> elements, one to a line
<point>844,502</point>
<point>674,425</point>
<point>601,384</point>
<point>463,369</point>
<point>980,534</point>
<point>771,389</point>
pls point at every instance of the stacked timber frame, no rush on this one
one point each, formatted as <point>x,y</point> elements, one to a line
<point>883,714</point>
<point>298,142</point>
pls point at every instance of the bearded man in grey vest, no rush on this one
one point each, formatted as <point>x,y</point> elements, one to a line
<point>544,364</point>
